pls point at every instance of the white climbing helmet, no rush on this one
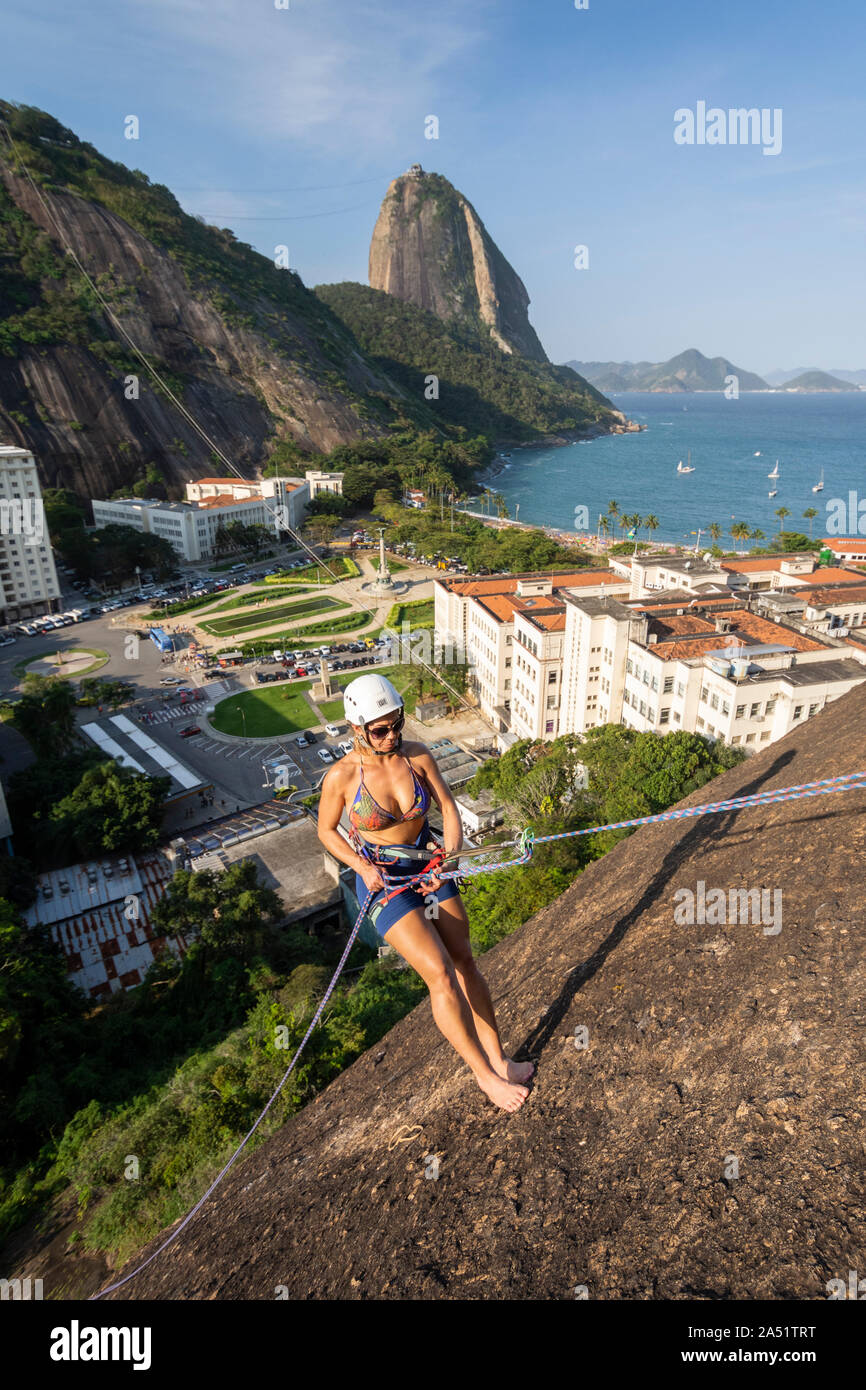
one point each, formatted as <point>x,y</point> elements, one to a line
<point>368,697</point>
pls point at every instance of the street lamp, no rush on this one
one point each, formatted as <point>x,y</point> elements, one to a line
<point>240,710</point>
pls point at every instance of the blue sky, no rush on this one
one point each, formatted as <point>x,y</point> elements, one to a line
<point>557,125</point>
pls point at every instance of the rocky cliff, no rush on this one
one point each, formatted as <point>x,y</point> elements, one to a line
<point>431,248</point>
<point>706,1143</point>
<point>254,356</point>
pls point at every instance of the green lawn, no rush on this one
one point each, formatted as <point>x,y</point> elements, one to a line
<point>260,595</point>
<point>418,613</point>
<point>275,709</point>
<point>303,637</point>
<point>343,568</point>
<point>221,627</point>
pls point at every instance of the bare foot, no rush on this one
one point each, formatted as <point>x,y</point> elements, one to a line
<point>513,1071</point>
<point>503,1093</point>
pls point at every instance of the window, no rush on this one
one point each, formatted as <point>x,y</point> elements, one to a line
<point>699,723</point>
<point>812,709</point>
<point>643,707</point>
<point>714,701</point>
<point>548,727</point>
<point>798,710</point>
<point>750,738</point>
<point>628,666</point>
<point>654,683</point>
<point>726,709</point>
<point>681,689</point>
<point>756,709</point>
<point>551,678</point>
<point>676,716</point>
<point>765,735</point>
<point>741,710</point>
<point>645,676</point>
<point>736,738</point>
<point>704,694</point>
<point>771,705</point>
<point>665,715</point>
<point>669,685</point>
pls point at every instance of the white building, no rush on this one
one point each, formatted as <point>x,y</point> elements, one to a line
<point>28,578</point>
<point>191,527</point>
<point>560,654</point>
<point>286,498</point>
<point>317,481</point>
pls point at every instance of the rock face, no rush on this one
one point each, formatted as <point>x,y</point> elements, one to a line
<point>251,369</point>
<point>430,247</point>
<point>706,1143</point>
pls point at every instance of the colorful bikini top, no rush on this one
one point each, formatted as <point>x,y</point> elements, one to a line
<point>365,813</point>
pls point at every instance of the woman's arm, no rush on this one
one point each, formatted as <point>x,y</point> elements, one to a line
<point>451,823</point>
<point>331,805</point>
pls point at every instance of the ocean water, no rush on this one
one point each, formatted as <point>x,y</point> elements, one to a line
<point>805,432</point>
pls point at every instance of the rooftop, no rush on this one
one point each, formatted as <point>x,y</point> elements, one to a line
<point>132,747</point>
<point>473,586</point>
<point>845,668</point>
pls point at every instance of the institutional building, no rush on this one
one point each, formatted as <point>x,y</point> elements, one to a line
<point>739,650</point>
<point>192,526</point>
<point>28,578</point>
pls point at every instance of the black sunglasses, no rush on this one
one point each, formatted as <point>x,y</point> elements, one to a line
<point>383,730</point>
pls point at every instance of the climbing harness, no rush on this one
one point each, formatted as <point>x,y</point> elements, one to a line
<point>525,843</point>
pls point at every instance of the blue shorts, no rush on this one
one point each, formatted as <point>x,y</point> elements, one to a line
<point>384,915</point>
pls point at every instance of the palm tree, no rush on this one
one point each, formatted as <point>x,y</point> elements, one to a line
<point>810,513</point>
<point>715,531</point>
<point>781,513</point>
<point>740,531</point>
<point>757,534</point>
<point>651,523</point>
<point>624,523</point>
<point>501,505</point>
<point>636,521</point>
<point>613,509</point>
<point>604,525</point>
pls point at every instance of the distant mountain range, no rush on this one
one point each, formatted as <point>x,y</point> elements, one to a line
<point>689,371</point>
<point>692,371</point>
<point>781,377</point>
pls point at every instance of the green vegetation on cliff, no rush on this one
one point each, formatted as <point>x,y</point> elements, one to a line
<point>480,387</point>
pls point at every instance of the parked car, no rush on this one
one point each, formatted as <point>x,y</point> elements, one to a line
<point>332,729</point>
<point>301,741</point>
<point>325,755</point>
<point>190,730</point>
<point>300,670</point>
<point>346,745</point>
<point>170,680</point>
<point>310,736</point>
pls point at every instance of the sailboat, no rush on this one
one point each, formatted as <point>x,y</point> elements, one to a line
<point>775,472</point>
<point>757,454</point>
<point>819,487</point>
<point>773,493</point>
<point>689,467</point>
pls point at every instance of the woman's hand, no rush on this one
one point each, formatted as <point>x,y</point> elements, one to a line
<point>372,877</point>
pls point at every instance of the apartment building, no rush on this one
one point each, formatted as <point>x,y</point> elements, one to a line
<point>554,657</point>
<point>480,617</point>
<point>28,577</point>
<point>191,527</point>
<point>286,498</point>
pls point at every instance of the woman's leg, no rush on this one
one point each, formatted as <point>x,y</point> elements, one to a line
<point>452,924</point>
<point>420,945</point>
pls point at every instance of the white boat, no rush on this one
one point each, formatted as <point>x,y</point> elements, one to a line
<point>775,472</point>
<point>819,487</point>
<point>686,468</point>
<point>757,454</point>
<point>773,493</point>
